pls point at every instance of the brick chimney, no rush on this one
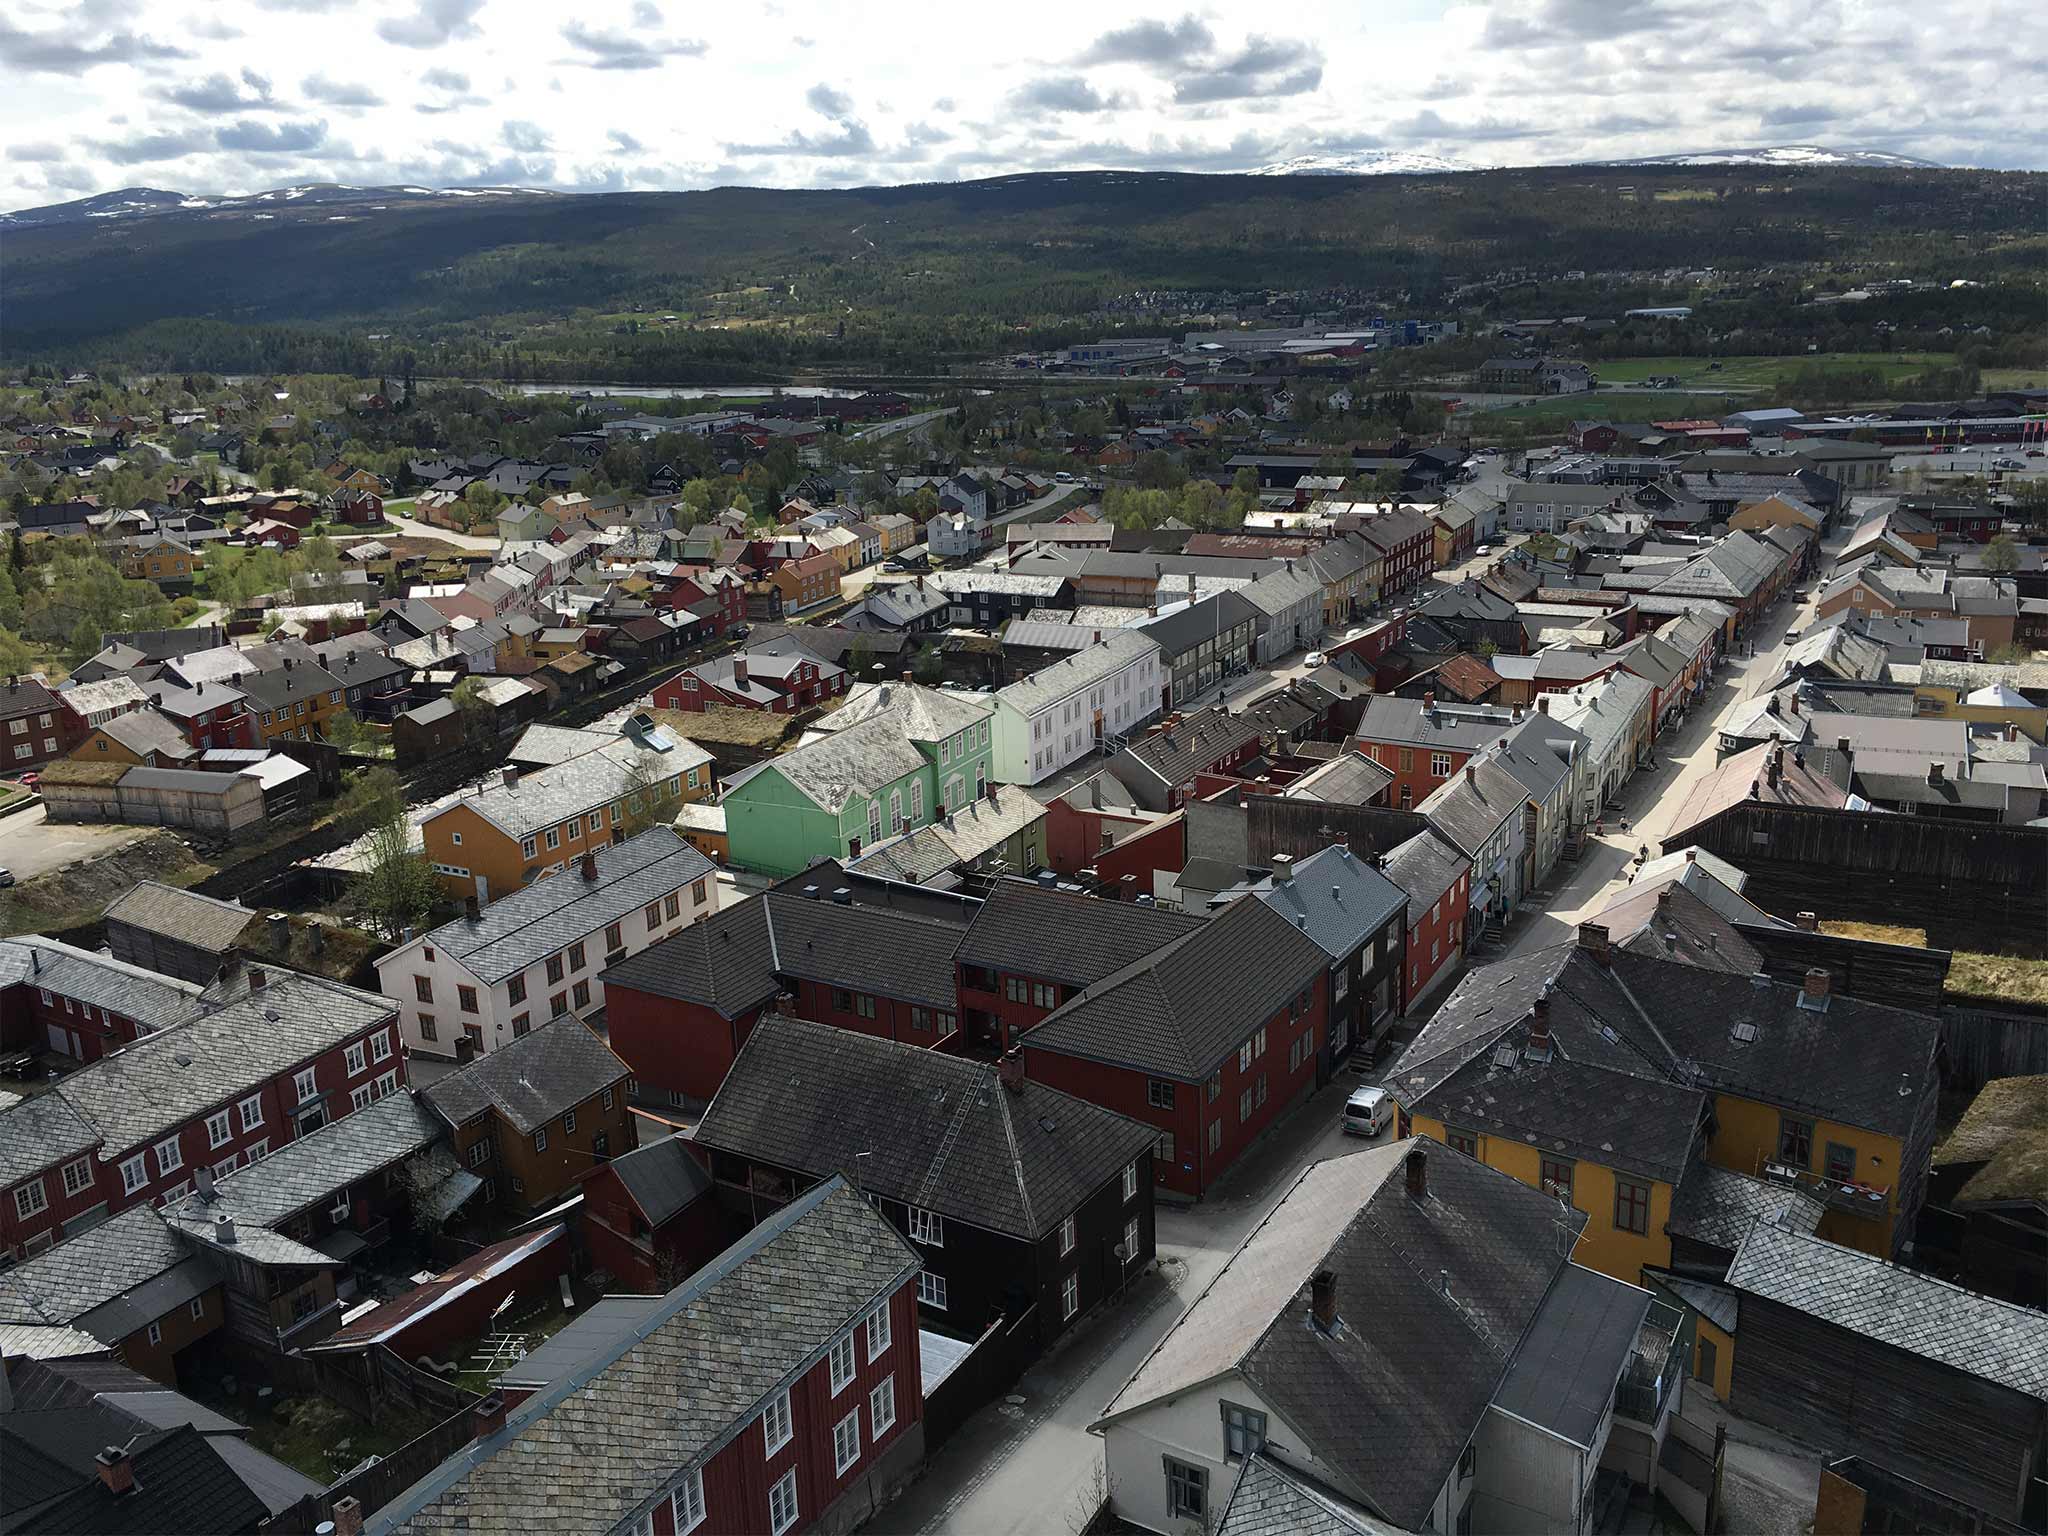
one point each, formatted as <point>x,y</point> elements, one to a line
<point>116,1471</point>
<point>1934,775</point>
<point>1594,940</point>
<point>488,1416</point>
<point>589,867</point>
<point>1816,984</point>
<point>1322,1298</point>
<point>472,908</point>
<point>1471,775</point>
<point>511,777</point>
<point>739,671</point>
<point>348,1517</point>
<point>907,677</point>
<point>1416,1167</point>
<point>1010,1072</point>
<point>1664,901</point>
<point>1543,704</point>
<point>1539,1024</point>
<point>258,978</point>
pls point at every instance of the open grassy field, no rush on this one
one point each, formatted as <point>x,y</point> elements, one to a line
<point>1761,373</point>
<point>2012,977</point>
<point>1608,405</point>
<point>2016,378</point>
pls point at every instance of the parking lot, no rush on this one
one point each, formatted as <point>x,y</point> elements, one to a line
<point>32,845</point>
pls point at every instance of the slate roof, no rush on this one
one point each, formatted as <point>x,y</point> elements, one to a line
<point>1335,897</point>
<point>1409,722</point>
<point>661,1178</point>
<point>1349,778</point>
<point>1048,687</point>
<point>153,1001</point>
<point>1425,867</point>
<point>183,1487</point>
<point>526,926</point>
<point>1177,1012</point>
<point>1563,1375</point>
<point>1995,1341</point>
<point>1272,1499</point>
<point>957,838</point>
<point>1027,929</point>
<point>1728,784</point>
<point>733,961</point>
<point>920,714</point>
<point>1389,1397</point>
<point>186,916</point>
<point>65,1283</point>
<point>1717,1206</point>
<point>1174,754</point>
<point>531,1079</point>
<point>577,784</point>
<point>1190,624</point>
<point>596,1448</point>
<point>941,1131</point>
<point>1473,804</point>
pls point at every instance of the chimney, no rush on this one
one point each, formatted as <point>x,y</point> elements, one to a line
<point>907,677</point>
<point>1934,774</point>
<point>258,978</point>
<point>472,908</point>
<point>116,1471</point>
<point>1010,1072</point>
<point>1416,1165</point>
<point>224,1230</point>
<point>1593,938</point>
<point>739,670</point>
<point>1429,703</point>
<point>348,1517</point>
<point>1543,704</point>
<point>589,867</point>
<point>1471,775</point>
<point>1283,868</point>
<point>1815,986</point>
<point>1322,1298</point>
<point>1795,703</point>
<point>1692,855</point>
<point>488,1416</point>
<point>511,777</point>
<point>1664,902</point>
<point>1539,1025</point>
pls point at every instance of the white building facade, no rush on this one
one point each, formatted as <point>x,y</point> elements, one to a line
<point>1077,706</point>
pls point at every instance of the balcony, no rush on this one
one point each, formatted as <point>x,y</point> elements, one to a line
<point>1656,1368</point>
<point>1870,1201</point>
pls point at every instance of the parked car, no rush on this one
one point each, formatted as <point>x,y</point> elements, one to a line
<point>1368,1111</point>
<point>30,781</point>
<point>6,877</point>
<point>1065,477</point>
<point>1316,659</point>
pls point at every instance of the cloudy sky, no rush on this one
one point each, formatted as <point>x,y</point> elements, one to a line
<point>243,95</point>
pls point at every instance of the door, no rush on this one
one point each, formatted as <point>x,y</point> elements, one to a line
<point>1705,1370</point>
<point>483,890</point>
<point>60,1042</point>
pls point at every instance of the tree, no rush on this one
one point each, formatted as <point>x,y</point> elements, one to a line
<point>372,798</point>
<point>2002,554</point>
<point>643,796</point>
<point>479,719</point>
<point>85,642</point>
<point>860,657</point>
<point>931,666</point>
<point>348,734</point>
<point>398,886</point>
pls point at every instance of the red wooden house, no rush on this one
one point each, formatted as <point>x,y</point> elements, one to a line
<point>791,1395</point>
<point>1436,876</point>
<point>445,1314</point>
<point>781,678</point>
<point>1209,1040</point>
<point>648,1218</point>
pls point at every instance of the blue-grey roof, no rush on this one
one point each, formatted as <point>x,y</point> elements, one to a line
<point>522,929</point>
<point>531,1079</point>
<point>1336,898</point>
<point>1562,1378</point>
<point>661,1177</point>
<point>1272,1499</point>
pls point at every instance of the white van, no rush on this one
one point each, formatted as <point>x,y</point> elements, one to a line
<point>1368,1111</point>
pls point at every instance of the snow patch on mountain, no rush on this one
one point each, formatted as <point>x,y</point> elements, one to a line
<point>1368,162</point>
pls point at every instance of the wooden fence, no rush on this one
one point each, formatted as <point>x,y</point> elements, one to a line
<point>1983,1043</point>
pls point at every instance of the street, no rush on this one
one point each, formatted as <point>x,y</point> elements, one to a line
<point>1027,1463</point>
<point>31,845</point>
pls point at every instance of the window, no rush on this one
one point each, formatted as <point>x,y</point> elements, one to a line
<point>257,1149</point>
<point>1045,995</point>
<point>1244,1432</point>
<point>1406,759</point>
<point>198,1307</point>
<point>882,1409</point>
<point>1070,1296</point>
<point>558,1005</point>
<point>594,821</point>
<point>846,1443</point>
<point>1132,1239</point>
<point>170,1157</point>
<point>877,1329</point>
<point>1131,1181</point>
<point>30,1198</point>
<point>1187,1490</point>
<point>686,1504</point>
<point>465,999</point>
<point>555,972</point>
<point>380,1045</point>
<point>698,890</point>
<point>218,1131</point>
<point>515,990</point>
<point>581,992</point>
<point>1215,1135</point>
<point>1841,1163</point>
<point>1795,1141</point>
<point>479,1153</point>
<point>614,936</point>
<point>427,1031</point>
<point>359,1098</point>
<point>1244,1057</point>
<point>1439,765</point>
<point>653,915</point>
<point>423,988</point>
<point>927,1227</point>
<point>1556,1175</point>
<point>78,1176</point>
<point>1466,1142</point>
<point>354,1059</point>
<point>1631,1205</point>
<point>895,810</point>
<point>134,1175</point>
<point>568,1122</point>
<point>1067,1235</point>
<point>931,1290</point>
<point>554,839</point>
<point>605,1098</point>
<point>540,1139</point>
<point>1158,1093</point>
<point>775,1424</point>
<point>874,822</point>
<point>576,956</point>
<point>526,847</point>
<point>1244,1106</point>
<point>1162,1148</point>
<point>1468,1463</point>
<point>782,1504</point>
<point>156,1333</point>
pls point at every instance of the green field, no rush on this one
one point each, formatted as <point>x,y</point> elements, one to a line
<point>1761,373</point>
<point>1608,405</point>
<point>2015,378</point>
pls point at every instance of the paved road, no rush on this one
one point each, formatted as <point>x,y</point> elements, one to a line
<point>413,530</point>
<point>31,845</point>
<point>901,424</point>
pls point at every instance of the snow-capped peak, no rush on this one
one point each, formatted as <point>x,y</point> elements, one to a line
<point>1367,162</point>
<point>1786,155</point>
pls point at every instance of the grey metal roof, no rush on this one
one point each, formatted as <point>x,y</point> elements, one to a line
<point>1996,1341</point>
<point>1186,625</point>
<point>596,1336</point>
<point>1562,1378</point>
<point>523,928</point>
<point>531,1079</point>
<point>597,1447</point>
<point>1178,1012</point>
<point>661,1177</point>
<point>939,1131</point>
<point>1272,1499</point>
<point>186,916</point>
<point>1717,1206</point>
<point>1470,807</point>
<point>1336,898</point>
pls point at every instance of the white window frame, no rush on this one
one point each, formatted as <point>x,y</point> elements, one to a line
<point>846,1443</point>
<point>782,1505</point>
<point>134,1175</point>
<point>876,1328</point>
<point>30,1199</point>
<point>175,1159</point>
<point>380,1045</point>
<point>777,1427</point>
<point>354,1058</point>
<point>686,1504</point>
<point>540,1139</point>
<point>220,1130</point>
<point>251,1111</point>
<point>882,1408</point>
<point>1069,1234</point>
<point>931,1290</point>
<point>927,1227</point>
<point>1131,1180</point>
<point>306,1085</point>
<point>1070,1297</point>
<point>840,1359</point>
<point>78,1175</point>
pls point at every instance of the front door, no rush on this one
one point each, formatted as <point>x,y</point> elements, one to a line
<point>1705,1371</point>
<point>483,891</point>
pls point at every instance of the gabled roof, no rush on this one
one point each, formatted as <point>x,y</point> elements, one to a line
<point>1746,776</point>
<point>1273,1499</point>
<point>1472,805</point>
<point>1717,1206</point>
<point>1388,1398</point>
<point>1178,1012</point>
<point>1425,867</point>
<point>1995,1341</point>
<point>532,1078</point>
<point>1026,929</point>
<point>184,1486</point>
<point>661,1178</point>
<point>932,1129</point>
<point>1047,687</point>
<point>183,915</point>
<point>1335,897</point>
<point>602,1444</point>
